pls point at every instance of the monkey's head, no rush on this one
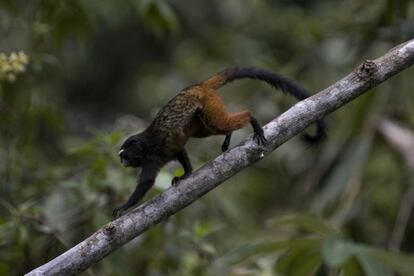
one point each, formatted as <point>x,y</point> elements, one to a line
<point>132,151</point>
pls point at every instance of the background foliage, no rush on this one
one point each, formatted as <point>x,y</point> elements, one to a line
<point>92,72</point>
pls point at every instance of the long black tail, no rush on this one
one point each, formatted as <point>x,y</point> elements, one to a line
<point>274,80</point>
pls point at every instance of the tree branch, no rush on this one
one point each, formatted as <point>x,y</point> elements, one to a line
<point>118,232</point>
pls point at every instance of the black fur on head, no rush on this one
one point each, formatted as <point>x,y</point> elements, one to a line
<point>133,151</point>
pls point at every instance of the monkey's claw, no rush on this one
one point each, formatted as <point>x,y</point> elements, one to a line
<point>177,179</point>
<point>260,139</point>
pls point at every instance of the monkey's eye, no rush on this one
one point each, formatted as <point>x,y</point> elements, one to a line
<point>121,151</point>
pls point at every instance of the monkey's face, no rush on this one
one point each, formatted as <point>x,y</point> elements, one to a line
<point>131,152</point>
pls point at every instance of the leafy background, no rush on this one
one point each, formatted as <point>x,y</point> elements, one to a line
<point>97,71</point>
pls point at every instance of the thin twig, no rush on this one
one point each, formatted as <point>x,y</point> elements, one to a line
<point>403,216</point>
<point>402,140</point>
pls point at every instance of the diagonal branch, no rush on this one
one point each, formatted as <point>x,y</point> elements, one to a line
<point>116,233</point>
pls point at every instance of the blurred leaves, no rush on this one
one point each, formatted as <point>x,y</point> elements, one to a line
<point>158,16</point>
<point>60,20</point>
<point>305,256</point>
<point>305,222</point>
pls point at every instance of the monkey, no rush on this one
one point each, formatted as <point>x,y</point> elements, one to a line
<point>198,111</point>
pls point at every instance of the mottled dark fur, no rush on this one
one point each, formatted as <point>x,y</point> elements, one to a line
<point>196,111</point>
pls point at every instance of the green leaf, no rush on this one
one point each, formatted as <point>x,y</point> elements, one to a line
<point>307,264</point>
<point>168,15</point>
<point>351,267</point>
<point>202,229</point>
<point>300,260</point>
<point>400,263</point>
<point>306,222</point>
<point>158,16</point>
<point>208,248</point>
<point>336,251</point>
<point>246,251</point>
<point>371,266</point>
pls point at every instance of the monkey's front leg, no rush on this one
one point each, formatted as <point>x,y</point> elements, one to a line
<point>145,182</point>
<point>184,160</point>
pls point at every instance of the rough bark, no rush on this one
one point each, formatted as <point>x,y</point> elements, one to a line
<point>116,233</point>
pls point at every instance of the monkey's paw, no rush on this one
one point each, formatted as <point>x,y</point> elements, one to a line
<point>260,139</point>
<point>177,179</point>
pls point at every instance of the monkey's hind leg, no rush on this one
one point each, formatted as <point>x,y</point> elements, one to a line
<point>216,117</point>
<point>258,131</point>
<point>226,123</point>
<point>226,142</point>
